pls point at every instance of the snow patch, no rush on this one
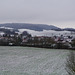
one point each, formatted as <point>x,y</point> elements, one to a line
<point>46,32</point>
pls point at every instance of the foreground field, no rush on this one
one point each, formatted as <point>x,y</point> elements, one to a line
<point>32,61</point>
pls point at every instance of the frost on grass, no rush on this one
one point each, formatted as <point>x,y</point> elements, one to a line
<point>32,61</point>
<point>70,63</point>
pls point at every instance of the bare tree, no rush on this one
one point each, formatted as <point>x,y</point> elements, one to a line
<point>70,63</point>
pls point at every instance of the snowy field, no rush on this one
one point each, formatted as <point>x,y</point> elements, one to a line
<point>32,61</point>
<point>47,32</point>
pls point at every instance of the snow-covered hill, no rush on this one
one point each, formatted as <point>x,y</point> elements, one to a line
<point>47,32</point>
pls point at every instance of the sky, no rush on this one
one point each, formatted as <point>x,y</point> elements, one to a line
<point>60,13</point>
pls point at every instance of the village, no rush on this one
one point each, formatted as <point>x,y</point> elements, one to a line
<point>26,39</point>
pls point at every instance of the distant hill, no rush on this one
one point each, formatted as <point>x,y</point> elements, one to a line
<point>36,27</point>
<point>8,30</point>
<point>69,29</point>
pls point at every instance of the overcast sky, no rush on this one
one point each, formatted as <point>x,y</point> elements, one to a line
<point>60,13</point>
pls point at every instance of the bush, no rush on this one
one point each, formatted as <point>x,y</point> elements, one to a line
<point>73,42</point>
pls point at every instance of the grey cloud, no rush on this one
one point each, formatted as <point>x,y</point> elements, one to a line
<point>38,11</point>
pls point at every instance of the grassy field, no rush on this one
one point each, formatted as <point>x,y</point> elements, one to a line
<point>32,61</point>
